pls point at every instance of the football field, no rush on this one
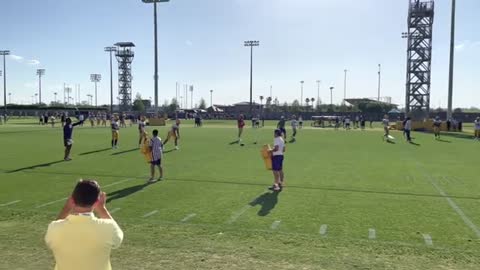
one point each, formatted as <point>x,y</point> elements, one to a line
<point>351,201</point>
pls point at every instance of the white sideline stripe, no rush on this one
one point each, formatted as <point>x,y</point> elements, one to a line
<point>10,203</point>
<point>275,225</point>
<point>114,210</point>
<point>372,234</point>
<point>323,229</point>
<point>237,214</point>
<point>457,209</point>
<point>150,213</point>
<point>48,203</point>
<point>428,239</point>
<point>188,217</point>
<point>62,199</point>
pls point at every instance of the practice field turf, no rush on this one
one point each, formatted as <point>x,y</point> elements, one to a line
<point>351,201</point>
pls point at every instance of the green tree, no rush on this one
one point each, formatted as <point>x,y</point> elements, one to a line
<point>203,104</point>
<point>138,105</point>
<point>295,108</point>
<point>173,106</point>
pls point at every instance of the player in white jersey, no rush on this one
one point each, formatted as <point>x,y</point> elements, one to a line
<point>115,133</point>
<point>294,124</point>
<point>174,132</point>
<point>156,151</point>
<point>141,129</point>
<point>477,128</point>
<point>437,123</point>
<point>385,123</point>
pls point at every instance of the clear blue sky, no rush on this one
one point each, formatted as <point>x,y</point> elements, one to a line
<point>201,43</point>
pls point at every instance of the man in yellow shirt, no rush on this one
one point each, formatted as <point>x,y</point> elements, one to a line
<point>78,239</point>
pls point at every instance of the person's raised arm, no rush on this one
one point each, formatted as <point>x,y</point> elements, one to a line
<point>101,208</point>
<point>67,208</point>
<point>78,123</point>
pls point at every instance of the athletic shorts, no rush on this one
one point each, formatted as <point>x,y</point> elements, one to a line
<point>172,134</point>
<point>157,162</point>
<point>115,135</point>
<point>284,131</point>
<point>66,142</point>
<point>277,163</point>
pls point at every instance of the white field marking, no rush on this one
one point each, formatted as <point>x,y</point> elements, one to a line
<point>275,225</point>
<point>114,210</point>
<point>116,183</point>
<point>457,209</point>
<point>52,202</point>
<point>237,214</point>
<point>150,213</point>
<point>187,218</point>
<point>372,234</point>
<point>454,206</point>
<point>10,203</point>
<point>323,229</point>
<point>428,239</point>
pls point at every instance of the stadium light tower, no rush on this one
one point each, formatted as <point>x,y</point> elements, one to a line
<point>345,86</point>
<point>379,80</point>
<point>211,103</point>
<point>4,53</point>
<point>156,44</point>
<point>318,91</point>
<point>452,61</point>
<point>301,92</point>
<point>251,44</point>
<point>55,97</point>
<point>331,95</point>
<point>95,78</point>
<point>40,73</point>
<point>110,50</point>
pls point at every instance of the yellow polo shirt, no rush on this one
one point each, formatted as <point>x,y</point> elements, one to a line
<point>83,242</point>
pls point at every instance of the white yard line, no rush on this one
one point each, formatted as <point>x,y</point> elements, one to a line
<point>428,239</point>
<point>116,183</point>
<point>452,204</point>
<point>114,210</point>
<point>52,202</point>
<point>150,213</point>
<point>237,214</point>
<point>372,234</point>
<point>323,229</point>
<point>188,217</point>
<point>10,203</point>
<point>275,224</point>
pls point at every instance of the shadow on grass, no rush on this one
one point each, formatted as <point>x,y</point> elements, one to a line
<point>268,201</point>
<point>444,141</point>
<point>125,151</point>
<point>391,142</point>
<point>122,193</point>
<point>169,151</point>
<point>414,143</point>
<point>458,135</point>
<point>94,151</point>
<point>35,166</point>
<point>234,142</point>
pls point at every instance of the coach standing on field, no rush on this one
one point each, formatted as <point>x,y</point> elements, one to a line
<point>80,240</point>
<point>67,137</point>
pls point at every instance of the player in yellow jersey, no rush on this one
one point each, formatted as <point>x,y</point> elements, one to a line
<point>175,133</point>
<point>115,132</point>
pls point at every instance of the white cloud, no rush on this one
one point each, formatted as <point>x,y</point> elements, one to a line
<point>33,62</point>
<point>460,47</point>
<point>466,44</point>
<point>17,58</point>
<point>188,43</point>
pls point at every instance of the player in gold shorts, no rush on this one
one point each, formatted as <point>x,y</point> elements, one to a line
<point>175,133</point>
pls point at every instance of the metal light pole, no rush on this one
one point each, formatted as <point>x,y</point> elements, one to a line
<point>331,95</point>
<point>345,86</point>
<point>40,73</point>
<point>110,50</point>
<point>155,45</point>
<point>452,62</point>
<point>251,44</point>
<point>379,80</point>
<point>301,93</point>
<point>318,91</point>
<point>95,78</point>
<point>191,96</point>
<point>10,98</point>
<point>36,98</point>
<point>55,97</point>
<point>4,53</point>
<point>211,103</point>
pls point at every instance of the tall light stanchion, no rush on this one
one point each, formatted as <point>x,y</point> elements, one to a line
<point>379,80</point>
<point>211,99</point>
<point>452,63</point>
<point>155,45</point>
<point>111,50</point>
<point>271,90</point>
<point>95,78</point>
<point>36,98</point>
<point>4,53</point>
<point>10,98</point>
<point>318,91</point>
<point>345,86</point>
<point>55,97</point>
<point>301,93</point>
<point>251,44</point>
<point>191,96</point>
<point>331,95</point>
<point>40,73</point>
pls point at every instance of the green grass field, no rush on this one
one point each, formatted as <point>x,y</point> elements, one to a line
<point>351,201</point>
